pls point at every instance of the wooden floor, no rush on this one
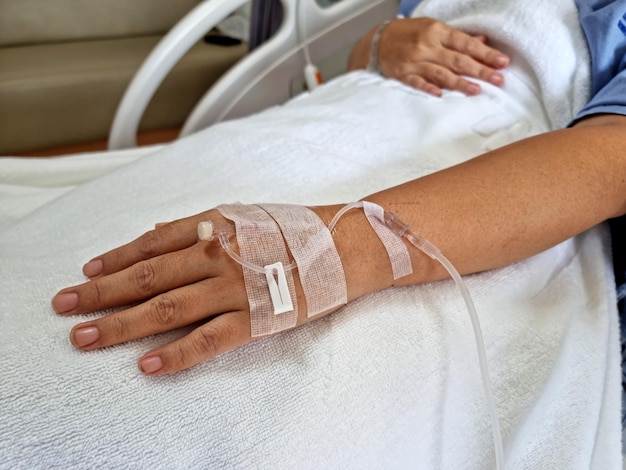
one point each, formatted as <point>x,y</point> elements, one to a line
<point>145,138</point>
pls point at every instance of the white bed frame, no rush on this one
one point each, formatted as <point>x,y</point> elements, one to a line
<point>264,77</point>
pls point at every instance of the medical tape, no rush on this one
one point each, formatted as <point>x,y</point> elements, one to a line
<point>396,250</point>
<point>261,242</point>
<point>311,244</point>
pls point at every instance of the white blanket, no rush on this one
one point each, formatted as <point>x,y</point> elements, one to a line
<point>29,183</point>
<point>389,381</point>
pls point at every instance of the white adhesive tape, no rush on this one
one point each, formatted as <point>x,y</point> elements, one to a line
<point>319,266</point>
<point>261,242</point>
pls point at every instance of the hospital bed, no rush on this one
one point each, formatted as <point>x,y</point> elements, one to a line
<point>389,381</point>
<point>267,76</point>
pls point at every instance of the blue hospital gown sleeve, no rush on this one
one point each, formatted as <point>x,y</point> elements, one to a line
<point>604,24</point>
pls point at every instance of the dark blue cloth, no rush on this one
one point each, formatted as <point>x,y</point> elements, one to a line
<point>618,235</point>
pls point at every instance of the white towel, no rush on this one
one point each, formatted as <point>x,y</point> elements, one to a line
<point>29,183</point>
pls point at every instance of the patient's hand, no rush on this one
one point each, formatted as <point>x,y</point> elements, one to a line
<point>177,281</point>
<point>174,280</point>
<point>430,55</point>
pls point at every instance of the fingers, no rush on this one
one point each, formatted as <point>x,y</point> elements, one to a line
<point>430,55</point>
<point>177,308</point>
<point>470,56</point>
<point>163,239</point>
<point>226,332</point>
<point>145,279</point>
<point>420,83</point>
<point>431,78</point>
<point>475,48</point>
<point>462,64</point>
<point>186,281</point>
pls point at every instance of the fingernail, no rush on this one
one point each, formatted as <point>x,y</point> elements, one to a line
<point>151,364</point>
<point>496,79</point>
<point>472,89</point>
<point>86,336</point>
<point>501,60</point>
<point>65,302</point>
<point>93,268</point>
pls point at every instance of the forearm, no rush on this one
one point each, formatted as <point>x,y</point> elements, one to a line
<point>499,208</point>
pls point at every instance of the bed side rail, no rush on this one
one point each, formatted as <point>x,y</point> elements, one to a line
<point>263,78</point>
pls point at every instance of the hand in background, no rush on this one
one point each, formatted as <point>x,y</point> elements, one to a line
<point>429,55</point>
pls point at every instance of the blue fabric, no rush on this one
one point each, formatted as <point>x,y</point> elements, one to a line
<point>407,7</point>
<point>604,24</point>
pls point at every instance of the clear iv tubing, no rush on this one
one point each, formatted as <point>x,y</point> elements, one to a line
<point>402,230</point>
<point>207,231</point>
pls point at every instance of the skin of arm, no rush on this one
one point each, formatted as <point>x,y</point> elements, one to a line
<point>501,207</point>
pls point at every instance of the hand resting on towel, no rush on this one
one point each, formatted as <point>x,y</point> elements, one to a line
<point>181,280</point>
<point>429,55</point>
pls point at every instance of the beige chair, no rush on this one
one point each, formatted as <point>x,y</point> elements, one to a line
<point>64,66</point>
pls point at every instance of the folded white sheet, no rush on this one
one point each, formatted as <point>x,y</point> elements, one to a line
<point>390,381</point>
<point>29,183</point>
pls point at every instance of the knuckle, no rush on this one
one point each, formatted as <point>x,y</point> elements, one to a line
<point>117,327</point>
<point>113,261</point>
<point>433,26</point>
<point>470,46</point>
<point>210,339</point>
<point>459,63</point>
<point>178,357</point>
<point>143,277</point>
<point>438,75</point>
<point>97,293</point>
<point>147,246</point>
<point>207,342</point>
<point>163,311</point>
<point>485,73</point>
